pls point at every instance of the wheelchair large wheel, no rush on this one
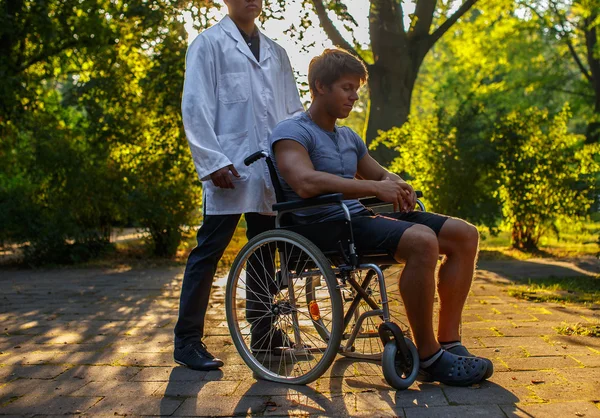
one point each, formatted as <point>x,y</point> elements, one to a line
<point>400,372</point>
<point>367,344</point>
<point>266,296</point>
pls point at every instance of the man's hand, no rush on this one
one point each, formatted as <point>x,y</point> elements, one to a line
<point>399,193</point>
<point>412,195</point>
<point>221,178</point>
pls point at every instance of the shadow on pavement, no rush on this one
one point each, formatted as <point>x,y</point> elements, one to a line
<point>76,340</point>
<point>539,268</point>
<point>357,387</point>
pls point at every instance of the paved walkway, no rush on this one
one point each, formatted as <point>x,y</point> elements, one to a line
<point>98,342</point>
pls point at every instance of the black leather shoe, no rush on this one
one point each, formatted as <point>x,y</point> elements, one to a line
<point>196,357</point>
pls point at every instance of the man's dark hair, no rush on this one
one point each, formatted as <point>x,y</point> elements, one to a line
<point>332,64</point>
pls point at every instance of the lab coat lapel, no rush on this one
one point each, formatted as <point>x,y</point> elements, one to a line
<point>231,29</point>
<point>265,48</point>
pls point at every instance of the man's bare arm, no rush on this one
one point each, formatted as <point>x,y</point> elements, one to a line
<point>298,171</point>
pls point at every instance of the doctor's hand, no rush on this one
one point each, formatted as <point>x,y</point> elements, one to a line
<point>221,178</point>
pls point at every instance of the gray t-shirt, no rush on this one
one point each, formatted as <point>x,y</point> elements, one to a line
<point>335,152</point>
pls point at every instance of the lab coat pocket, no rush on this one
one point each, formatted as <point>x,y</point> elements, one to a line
<point>234,88</point>
<point>236,147</point>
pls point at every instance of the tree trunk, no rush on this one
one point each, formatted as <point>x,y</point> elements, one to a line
<point>390,96</point>
<point>522,238</point>
<point>591,41</point>
<point>397,54</point>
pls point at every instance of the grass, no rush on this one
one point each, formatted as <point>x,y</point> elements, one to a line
<point>583,290</point>
<point>575,239</point>
<point>588,330</point>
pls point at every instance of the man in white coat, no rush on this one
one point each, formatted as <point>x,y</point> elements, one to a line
<point>238,85</point>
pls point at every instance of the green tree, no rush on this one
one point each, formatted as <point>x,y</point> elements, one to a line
<point>544,173</point>
<point>440,154</point>
<point>394,55</point>
<point>576,23</point>
<point>91,133</point>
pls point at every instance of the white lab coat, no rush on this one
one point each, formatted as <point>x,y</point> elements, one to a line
<point>230,105</point>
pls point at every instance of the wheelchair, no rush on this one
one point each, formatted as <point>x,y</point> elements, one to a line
<point>317,297</point>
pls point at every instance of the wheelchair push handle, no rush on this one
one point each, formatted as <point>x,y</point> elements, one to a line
<point>255,157</point>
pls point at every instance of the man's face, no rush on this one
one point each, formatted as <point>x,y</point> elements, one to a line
<point>340,97</point>
<point>244,10</point>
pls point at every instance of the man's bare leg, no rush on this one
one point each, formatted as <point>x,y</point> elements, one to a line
<point>419,248</point>
<point>459,241</point>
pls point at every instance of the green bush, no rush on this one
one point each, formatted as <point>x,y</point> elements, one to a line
<point>545,173</point>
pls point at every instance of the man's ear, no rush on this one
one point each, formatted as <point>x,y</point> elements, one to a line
<point>320,88</point>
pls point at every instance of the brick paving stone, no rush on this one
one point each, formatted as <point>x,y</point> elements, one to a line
<point>588,360</point>
<point>423,395</point>
<point>223,406</point>
<point>583,375</point>
<point>146,359</point>
<point>36,372</point>
<point>495,342</point>
<point>542,328</point>
<point>314,404</point>
<point>544,350</point>
<point>564,392</point>
<point>537,363</point>
<point>262,388</point>
<point>239,372</point>
<point>528,378</point>
<point>139,405</point>
<point>481,394</point>
<point>125,389</point>
<point>31,405</point>
<point>554,409</point>
<point>491,411</point>
<point>191,389</point>
<point>576,340</point>
<point>101,373</point>
<point>8,342</point>
<point>498,352</point>
<point>40,387</point>
<point>169,374</point>
<point>469,332</point>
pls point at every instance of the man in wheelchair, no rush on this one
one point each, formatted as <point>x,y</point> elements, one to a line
<point>313,156</point>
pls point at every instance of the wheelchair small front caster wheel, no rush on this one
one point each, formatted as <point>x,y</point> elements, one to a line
<point>400,372</point>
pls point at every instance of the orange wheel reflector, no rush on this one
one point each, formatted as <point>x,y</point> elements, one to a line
<point>313,307</point>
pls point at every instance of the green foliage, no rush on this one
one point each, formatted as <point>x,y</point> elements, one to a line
<point>90,125</point>
<point>545,174</point>
<point>448,157</point>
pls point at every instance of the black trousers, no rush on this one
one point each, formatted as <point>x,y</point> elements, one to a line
<point>213,237</point>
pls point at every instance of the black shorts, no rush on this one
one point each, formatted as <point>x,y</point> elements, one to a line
<point>383,231</point>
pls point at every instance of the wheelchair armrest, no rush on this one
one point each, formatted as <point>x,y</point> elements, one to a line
<point>323,200</point>
<point>371,202</point>
<point>374,202</point>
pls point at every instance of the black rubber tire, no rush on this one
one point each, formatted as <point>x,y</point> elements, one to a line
<point>392,373</point>
<point>335,334</point>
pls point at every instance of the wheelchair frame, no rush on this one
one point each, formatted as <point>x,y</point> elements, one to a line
<point>399,357</point>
